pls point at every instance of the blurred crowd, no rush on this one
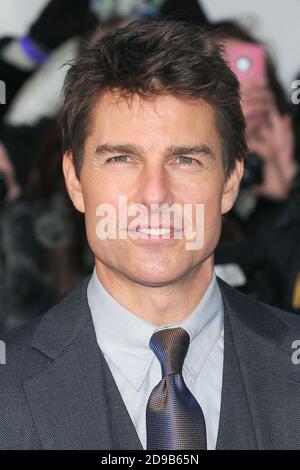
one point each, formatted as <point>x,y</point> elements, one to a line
<point>43,249</point>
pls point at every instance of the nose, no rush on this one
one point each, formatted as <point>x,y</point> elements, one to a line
<point>155,185</point>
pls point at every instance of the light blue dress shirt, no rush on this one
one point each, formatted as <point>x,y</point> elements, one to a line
<point>124,338</point>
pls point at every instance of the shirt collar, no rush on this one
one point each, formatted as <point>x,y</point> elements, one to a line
<point>124,337</point>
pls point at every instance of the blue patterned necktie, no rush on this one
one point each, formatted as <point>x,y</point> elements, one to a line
<point>174,417</point>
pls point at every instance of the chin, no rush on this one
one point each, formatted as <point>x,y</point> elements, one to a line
<point>152,281</point>
<point>155,277</point>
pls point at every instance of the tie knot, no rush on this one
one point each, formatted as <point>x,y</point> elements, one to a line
<point>170,347</point>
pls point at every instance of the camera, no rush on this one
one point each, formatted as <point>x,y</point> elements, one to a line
<point>253,171</point>
<point>3,187</point>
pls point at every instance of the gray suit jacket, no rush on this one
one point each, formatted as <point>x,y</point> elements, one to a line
<point>57,391</point>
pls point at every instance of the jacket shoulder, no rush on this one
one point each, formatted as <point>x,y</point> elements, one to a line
<point>23,360</point>
<point>20,358</point>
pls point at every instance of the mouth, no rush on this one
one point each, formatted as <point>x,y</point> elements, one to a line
<point>155,231</point>
<point>149,233</point>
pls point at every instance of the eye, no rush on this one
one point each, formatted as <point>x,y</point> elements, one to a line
<point>118,159</point>
<point>187,160</point>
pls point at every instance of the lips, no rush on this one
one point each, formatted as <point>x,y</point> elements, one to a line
<point>145,232</point>
<point>155,233</point>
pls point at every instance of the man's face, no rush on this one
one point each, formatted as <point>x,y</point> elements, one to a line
<point>157,153</point>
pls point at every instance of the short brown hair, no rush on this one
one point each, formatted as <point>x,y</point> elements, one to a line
<point>151,57</point>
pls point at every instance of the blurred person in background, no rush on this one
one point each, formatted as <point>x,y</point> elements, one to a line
<point>42,254</point>
<point>259,250</point>
<point>21,57</point>
<point>272,168</point>
<point>58,22</point>
<point>16,249</point>
<point>35,231</point>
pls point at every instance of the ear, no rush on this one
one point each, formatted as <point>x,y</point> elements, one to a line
<point>232,186</point>
<point>72,182</point>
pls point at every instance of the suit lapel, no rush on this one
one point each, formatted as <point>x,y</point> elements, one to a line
<point>74,401</point>
<point>67,399</point>
<point>260,397</point>
<point>236,429</point>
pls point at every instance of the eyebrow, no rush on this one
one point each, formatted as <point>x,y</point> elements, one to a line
<point>137,150</point>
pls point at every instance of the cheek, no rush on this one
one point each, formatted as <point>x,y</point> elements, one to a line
<point>210,197</point>
<point>101,199</point>
<point>98,191</point>
<point>212,220</point>
<point>207,191</point>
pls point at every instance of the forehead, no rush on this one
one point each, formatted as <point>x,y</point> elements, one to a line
<point>161,117</point>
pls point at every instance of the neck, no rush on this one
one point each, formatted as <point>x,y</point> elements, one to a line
<point>162,305</point>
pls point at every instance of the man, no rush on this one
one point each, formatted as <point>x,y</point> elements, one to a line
<point>153,351</point>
